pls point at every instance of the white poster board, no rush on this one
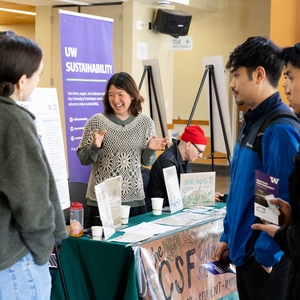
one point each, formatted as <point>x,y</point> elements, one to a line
<point>198,188</point>
<point>158,109</point>
<point>104,210</point>
<point>173,190</point>
<point>43,104</point>
<point>219,142</point>
<point>114,188</point>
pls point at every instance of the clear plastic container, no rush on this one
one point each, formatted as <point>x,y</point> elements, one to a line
<point>76,219</point>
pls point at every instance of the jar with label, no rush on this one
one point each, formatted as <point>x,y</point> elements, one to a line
<point>76,219</point>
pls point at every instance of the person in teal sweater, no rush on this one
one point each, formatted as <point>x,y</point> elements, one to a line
<point>30,213</point>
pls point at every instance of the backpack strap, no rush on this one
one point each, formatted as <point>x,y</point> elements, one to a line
<point>273,116</point>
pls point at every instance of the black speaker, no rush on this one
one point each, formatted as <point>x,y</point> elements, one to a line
<point>173,22</point>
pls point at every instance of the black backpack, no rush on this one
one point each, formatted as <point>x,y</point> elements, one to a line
<point>275,115</point>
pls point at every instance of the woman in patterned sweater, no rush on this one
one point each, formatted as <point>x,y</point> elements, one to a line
<point>116,142</point>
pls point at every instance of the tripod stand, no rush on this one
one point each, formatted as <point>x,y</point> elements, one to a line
<point>151,87</point>
<point>210,69</point>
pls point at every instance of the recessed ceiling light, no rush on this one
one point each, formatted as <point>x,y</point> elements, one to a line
<point>73,2</point>
<point>16,11</point>
<point>164,3</point>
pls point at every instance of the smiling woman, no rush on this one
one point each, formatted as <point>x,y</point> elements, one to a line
<point>117,142</point>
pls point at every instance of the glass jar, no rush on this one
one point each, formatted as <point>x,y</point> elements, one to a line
<point>76,219</point>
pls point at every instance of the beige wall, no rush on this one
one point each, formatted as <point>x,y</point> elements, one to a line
<point>216,33</point>
<point>158,48</point>
<point>43,33</point>
<point>285,26</point>
<point>25,30</point>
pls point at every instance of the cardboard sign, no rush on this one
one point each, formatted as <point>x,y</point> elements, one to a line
<point>173,190</point>
<point>198,188</point>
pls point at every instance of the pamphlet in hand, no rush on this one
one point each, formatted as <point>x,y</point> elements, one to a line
<point>215,268</point>
<point>266,188</point>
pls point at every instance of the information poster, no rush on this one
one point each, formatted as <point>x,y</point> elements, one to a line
<point>198,188</point>
<point>43,104</point>
<point>86,43</point>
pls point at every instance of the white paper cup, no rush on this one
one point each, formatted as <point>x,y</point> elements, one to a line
<point>125,209</point>
<point>97,233</point>
<point>157,204</point>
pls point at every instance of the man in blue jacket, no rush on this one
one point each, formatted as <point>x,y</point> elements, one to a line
<point>262,268</point>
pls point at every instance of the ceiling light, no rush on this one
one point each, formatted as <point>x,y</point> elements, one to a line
<point>164,3</point>
<point>16,11</point>
<point>73,2</point>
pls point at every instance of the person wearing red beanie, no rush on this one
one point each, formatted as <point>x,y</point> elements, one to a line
<point>184,151</point>
<point>194,134</point>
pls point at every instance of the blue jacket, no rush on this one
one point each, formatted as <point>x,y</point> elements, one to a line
<point>279,146</point>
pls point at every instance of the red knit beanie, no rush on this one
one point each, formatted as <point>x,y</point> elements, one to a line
<point>194,134</point>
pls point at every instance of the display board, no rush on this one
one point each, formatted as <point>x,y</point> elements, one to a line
<point>43,104</point>
<point>218,129</point>
<point>86,44</point>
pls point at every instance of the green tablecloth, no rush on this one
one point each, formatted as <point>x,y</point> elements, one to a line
<point>96,270</point>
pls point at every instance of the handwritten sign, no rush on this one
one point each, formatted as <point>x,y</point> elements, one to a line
<point>198,188</point>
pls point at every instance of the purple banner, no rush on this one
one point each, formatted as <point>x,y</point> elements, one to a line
<point>86,44</point>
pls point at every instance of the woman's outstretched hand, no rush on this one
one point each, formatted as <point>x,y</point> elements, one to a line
<point>98,137</point>
<point>157,144</point>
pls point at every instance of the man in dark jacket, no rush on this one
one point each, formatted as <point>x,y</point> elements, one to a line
<point>184,151</point>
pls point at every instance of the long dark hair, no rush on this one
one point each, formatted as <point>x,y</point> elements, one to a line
<point>18,56</point>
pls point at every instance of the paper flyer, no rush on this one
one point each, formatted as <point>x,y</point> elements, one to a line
<point>173,190</point>
<point>266,188</point>
<point>114,188</point>
<point>104,209</point>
